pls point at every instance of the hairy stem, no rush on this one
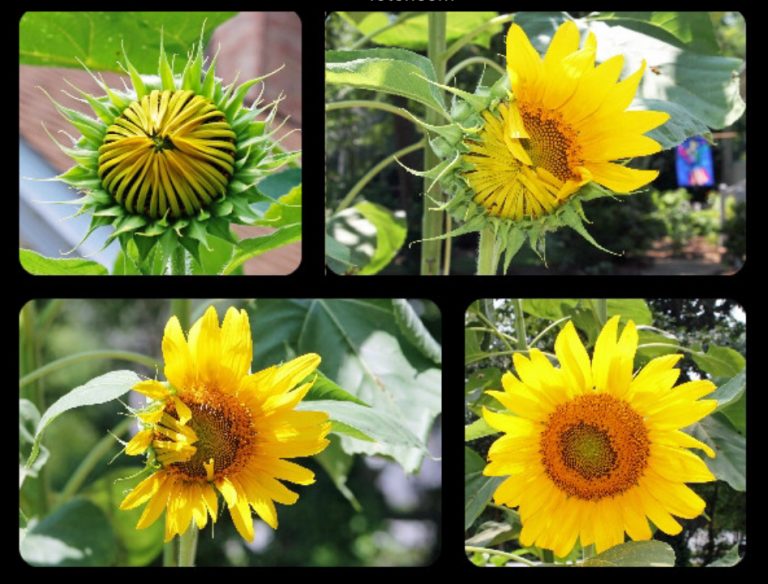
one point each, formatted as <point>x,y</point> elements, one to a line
<point>487,253</point>
<point>433,222</point>
<point>188,547</point>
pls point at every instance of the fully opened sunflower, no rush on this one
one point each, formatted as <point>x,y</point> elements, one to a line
<point>215,427</point>
<point>532,141</point>
<point>593,450</point>
<point>173,158</point>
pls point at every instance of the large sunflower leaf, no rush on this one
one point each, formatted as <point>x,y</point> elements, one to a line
<point>693,30</point>
<point>365,352</point>
<point>395,71</point>
<point>99,390</point>
<point>413,32</point>
<point>39,265</point>
<point>478,488</point>
<point>76,534</point>
<point>64,39</point>
<point>730,464</point>
<point>635,554</point>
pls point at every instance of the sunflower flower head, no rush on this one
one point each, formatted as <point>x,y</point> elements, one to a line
<point>215,428</point>
<point>592,451</point>
<point>552,133</point>
<point>171,158</point>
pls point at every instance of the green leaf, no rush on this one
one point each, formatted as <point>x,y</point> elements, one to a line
<point>279,183</point>
<point>731,391</point>
<point>337,464</point>
<point>648,335</point>
<point>553,309</point>
<point>396,71</point>
<point>98,390</point>
<point>364,352</point>
<point>39,265</point>
<point>635,554</point>
<point>720,362</point>
<point>493,533</point>
<point>482,379</point>
<point>135,547</point>
<point>693,30</point>
<point>62,39</point>
<point>213,260</point>
<point>285,211</point>
<point>377,424</point>
<point>29,418</point>
<point>630,309</point>
<point>76,534</point>
<point>730,464</point>
<point>255,246</point>
<point>415,332</point>
<point>391,231</point>
<point>338,257</point>
<point>478,429</point>
<point>325,389</point>
<point>472,350</point>
<point>413,33</point>
<point>478,489</point>
<point>731,558</point>
<point>681,125</point>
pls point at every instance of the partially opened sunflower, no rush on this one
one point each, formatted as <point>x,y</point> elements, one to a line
<point>593,450</point>
<point>214,427</point>
<point>550,127</point>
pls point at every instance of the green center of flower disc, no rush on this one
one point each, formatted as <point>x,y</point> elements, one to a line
<point>169,153</point>
<point>587,450</point>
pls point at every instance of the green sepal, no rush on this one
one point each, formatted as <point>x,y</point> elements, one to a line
<point>209,83</point>
<point>136,79</point>
<point>222,208</point>
<point>125,225</point>
<point>236,101</point>
<point>166,70</point>
<point>478,102</point>
<point>220,228</point>
<point>198,232</point>
<point>115,211</point>
<point>512,244</point>
<point>192,246</point>
<point>190,77</point>
<point>570,217</point>
<point>144,245</point>
<point>104,112</point>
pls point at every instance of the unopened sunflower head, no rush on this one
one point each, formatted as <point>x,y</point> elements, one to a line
<point>172,158</point>
<point>523,154</point>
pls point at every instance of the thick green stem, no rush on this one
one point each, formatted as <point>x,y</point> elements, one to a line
<point>515,557</point>
<point>49,368</point>
<point>522,344</point>
<point>170,554</point>
<point>487,253</point>
<point>433,222</point>
<point>181,309</point>
<point>179,262</point>
<point>349,198</point>
<point>188,547</point>
<point>91,460</point>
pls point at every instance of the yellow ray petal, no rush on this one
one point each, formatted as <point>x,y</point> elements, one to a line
<point>620,179</point>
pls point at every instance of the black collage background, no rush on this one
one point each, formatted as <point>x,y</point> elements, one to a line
<point>312,280</point>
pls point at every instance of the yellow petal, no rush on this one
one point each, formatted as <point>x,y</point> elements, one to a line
<point>574,359</point>
<point>142,492</point>
<point>236,343</point>
<point>523,62</point>
<point>176,355</point>
<point>564,42</point>
<point>205,348</point>
<point>152,389</point>
<point>156,504</point>
<point>620,179</point>
<point>139,443</point>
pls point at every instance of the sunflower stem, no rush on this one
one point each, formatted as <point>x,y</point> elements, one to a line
<point>169,554</point>
<point>487,253</point>
<point>522,344</point>
<point>96,454</point>
<point>515,557</point>
<point>179,262</point>
<point>432,221</point>
<point>64,362</point>
<point>188,547</point>
<point>547,556</point>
